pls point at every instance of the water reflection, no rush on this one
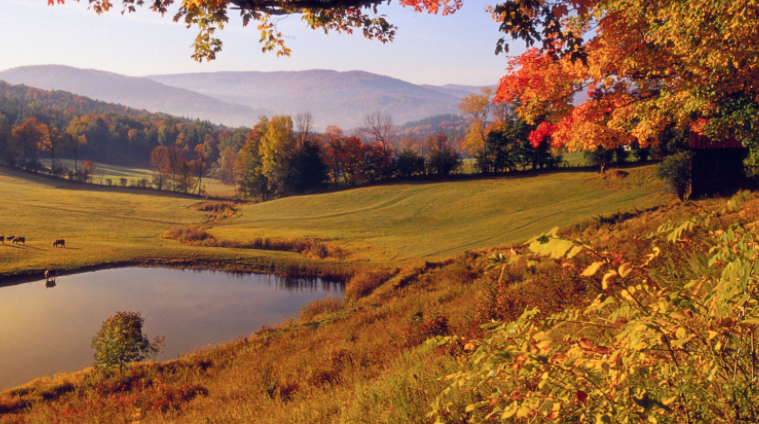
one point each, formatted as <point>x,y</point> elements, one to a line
<point>47,331</point>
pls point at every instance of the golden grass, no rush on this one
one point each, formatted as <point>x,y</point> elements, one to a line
<point>115,173</point>
<point>102,226</point>
<point>403,223</point>
<point>360,361</point>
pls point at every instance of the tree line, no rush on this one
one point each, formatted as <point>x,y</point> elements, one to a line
<point>278,156</point>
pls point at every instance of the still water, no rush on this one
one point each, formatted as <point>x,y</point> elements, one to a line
<point>44,331</point>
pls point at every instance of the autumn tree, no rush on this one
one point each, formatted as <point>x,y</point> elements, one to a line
<point>277,149</point>
<point>477,109</point>
<point>77,131</point>
<point>339,16</point>
<point>31,136</point>
<point>644,66</point>
<point>333,139</point>
<point>161,165</point>
<point>54,144</point>
<point>87,172</point>
<point>248,163</point>
<point>200,164</point>
<point>227,167</point>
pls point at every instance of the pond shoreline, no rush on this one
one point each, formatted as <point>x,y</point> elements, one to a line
<point>339,274</point>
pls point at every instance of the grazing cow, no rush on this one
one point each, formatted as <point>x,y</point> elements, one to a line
<point>2,239</point>
<point>19,239</point>
<point>59,243</point>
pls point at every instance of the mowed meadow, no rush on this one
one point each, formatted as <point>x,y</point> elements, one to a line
<point>388,224</point>
<point>101,225</point>
<point>411,221</point>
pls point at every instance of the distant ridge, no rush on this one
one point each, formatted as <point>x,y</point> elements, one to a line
<point>332,97</point>
<point>135,92</point>
<point>239,98</point>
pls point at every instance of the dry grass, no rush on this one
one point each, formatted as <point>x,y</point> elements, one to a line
<point>365,361</point>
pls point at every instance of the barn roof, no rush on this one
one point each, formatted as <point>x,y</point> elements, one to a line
<point>698,141</point>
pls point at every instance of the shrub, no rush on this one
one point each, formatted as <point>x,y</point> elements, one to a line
<point>364,282</point>
<point>189,234</point>
<point>321,306</point>
<point>676,172</point>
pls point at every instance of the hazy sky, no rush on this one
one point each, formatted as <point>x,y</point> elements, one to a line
<point>429,49</point>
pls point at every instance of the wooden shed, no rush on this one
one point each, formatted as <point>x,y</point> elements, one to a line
<point>717,166</point>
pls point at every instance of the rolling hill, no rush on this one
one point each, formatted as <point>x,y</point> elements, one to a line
<point>135,92</point>
<point>333,98</point>
<point>238,98</point>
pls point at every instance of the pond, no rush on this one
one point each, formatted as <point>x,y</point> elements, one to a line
<point>44,330</point>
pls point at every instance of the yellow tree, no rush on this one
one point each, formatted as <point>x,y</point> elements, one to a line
<point>477,108</point>
<point>277,149</point>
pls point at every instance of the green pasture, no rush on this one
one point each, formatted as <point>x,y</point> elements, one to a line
<point>100,225</point>
<point>104,172</point>
<point>389,224</point>
<point>398,222</point>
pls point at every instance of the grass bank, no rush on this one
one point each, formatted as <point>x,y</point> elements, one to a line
<point>367,359</point>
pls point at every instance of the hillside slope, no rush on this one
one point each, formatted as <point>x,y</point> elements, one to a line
<point>136,92</point>
<point>396,222</point>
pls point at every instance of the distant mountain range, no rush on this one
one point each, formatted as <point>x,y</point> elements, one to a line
<point>135,92</point>
<point>238,98</point>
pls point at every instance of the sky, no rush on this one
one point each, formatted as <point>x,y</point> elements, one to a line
<point>428,49</point>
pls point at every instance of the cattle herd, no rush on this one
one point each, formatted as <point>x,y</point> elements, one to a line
<point>22,240</point>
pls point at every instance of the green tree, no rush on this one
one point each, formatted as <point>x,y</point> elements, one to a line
<point>121,341</point>
<point>409,162</point>
<point>676,171</point>
<point>310,172</point>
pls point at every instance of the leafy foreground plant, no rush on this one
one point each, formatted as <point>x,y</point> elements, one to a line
<point>121,341</point>
<point>642,352</point>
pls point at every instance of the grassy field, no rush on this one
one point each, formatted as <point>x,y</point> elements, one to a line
<point>400,222</point>
<point>368,359</point>
<point>100,225</point>
<point>390,224</point>
<point>115,173</point>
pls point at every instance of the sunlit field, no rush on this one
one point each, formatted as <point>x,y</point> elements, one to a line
<point>105,173</point>
<point>434,220</point>
<point>100,225</point>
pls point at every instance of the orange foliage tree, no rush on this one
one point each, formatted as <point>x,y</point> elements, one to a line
<point>31,136</point>
<point>643,65</point>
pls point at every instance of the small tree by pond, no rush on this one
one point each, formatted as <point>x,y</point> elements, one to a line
<point>121,341</point>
